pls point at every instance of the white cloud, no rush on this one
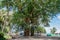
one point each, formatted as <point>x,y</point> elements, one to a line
<point>58,17</point>
<point>58,31</point>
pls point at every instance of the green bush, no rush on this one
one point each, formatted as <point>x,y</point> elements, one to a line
<point>7,36</point>
<point>2,36</point>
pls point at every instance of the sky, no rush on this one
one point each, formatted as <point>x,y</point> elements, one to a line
<point>55,22</point>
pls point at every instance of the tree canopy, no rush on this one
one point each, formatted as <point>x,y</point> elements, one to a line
<point>31,10</point>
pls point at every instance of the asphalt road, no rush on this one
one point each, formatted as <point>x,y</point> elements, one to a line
<point>37,38</point>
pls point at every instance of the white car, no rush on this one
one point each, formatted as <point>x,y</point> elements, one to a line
<point>21,33</point>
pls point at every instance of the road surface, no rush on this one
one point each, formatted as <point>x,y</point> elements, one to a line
<point>37,38</point>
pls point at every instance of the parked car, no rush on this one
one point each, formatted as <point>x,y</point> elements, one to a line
<point>21,33</point>
<point>49,35</point>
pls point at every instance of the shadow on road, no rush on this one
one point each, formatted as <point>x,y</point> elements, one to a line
<point>37,37</point>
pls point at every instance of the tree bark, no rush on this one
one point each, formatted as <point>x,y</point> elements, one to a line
<point>26,32</point>
<point>32,31</point>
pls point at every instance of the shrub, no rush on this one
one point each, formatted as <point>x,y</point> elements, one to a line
<point>7,36</point>
<point>2,36</point>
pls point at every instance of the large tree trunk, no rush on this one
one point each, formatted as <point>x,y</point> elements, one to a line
<point>32,31</point>
<point>26,32</point>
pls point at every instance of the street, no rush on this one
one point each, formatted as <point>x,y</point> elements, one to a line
<point>37,38</point>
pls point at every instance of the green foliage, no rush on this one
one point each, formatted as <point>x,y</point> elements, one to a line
<point>31,9</point>
<point>6,29</point>
<point>6,36</point>
<point>17,18</point>
<point>2,36</point>
<point>53,30</point>
<point>41,29</point>
<point>1,33</point>
<point>1,20</point>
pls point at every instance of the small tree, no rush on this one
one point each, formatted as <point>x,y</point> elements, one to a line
<point>41,29</point>
<point>53,30</point>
